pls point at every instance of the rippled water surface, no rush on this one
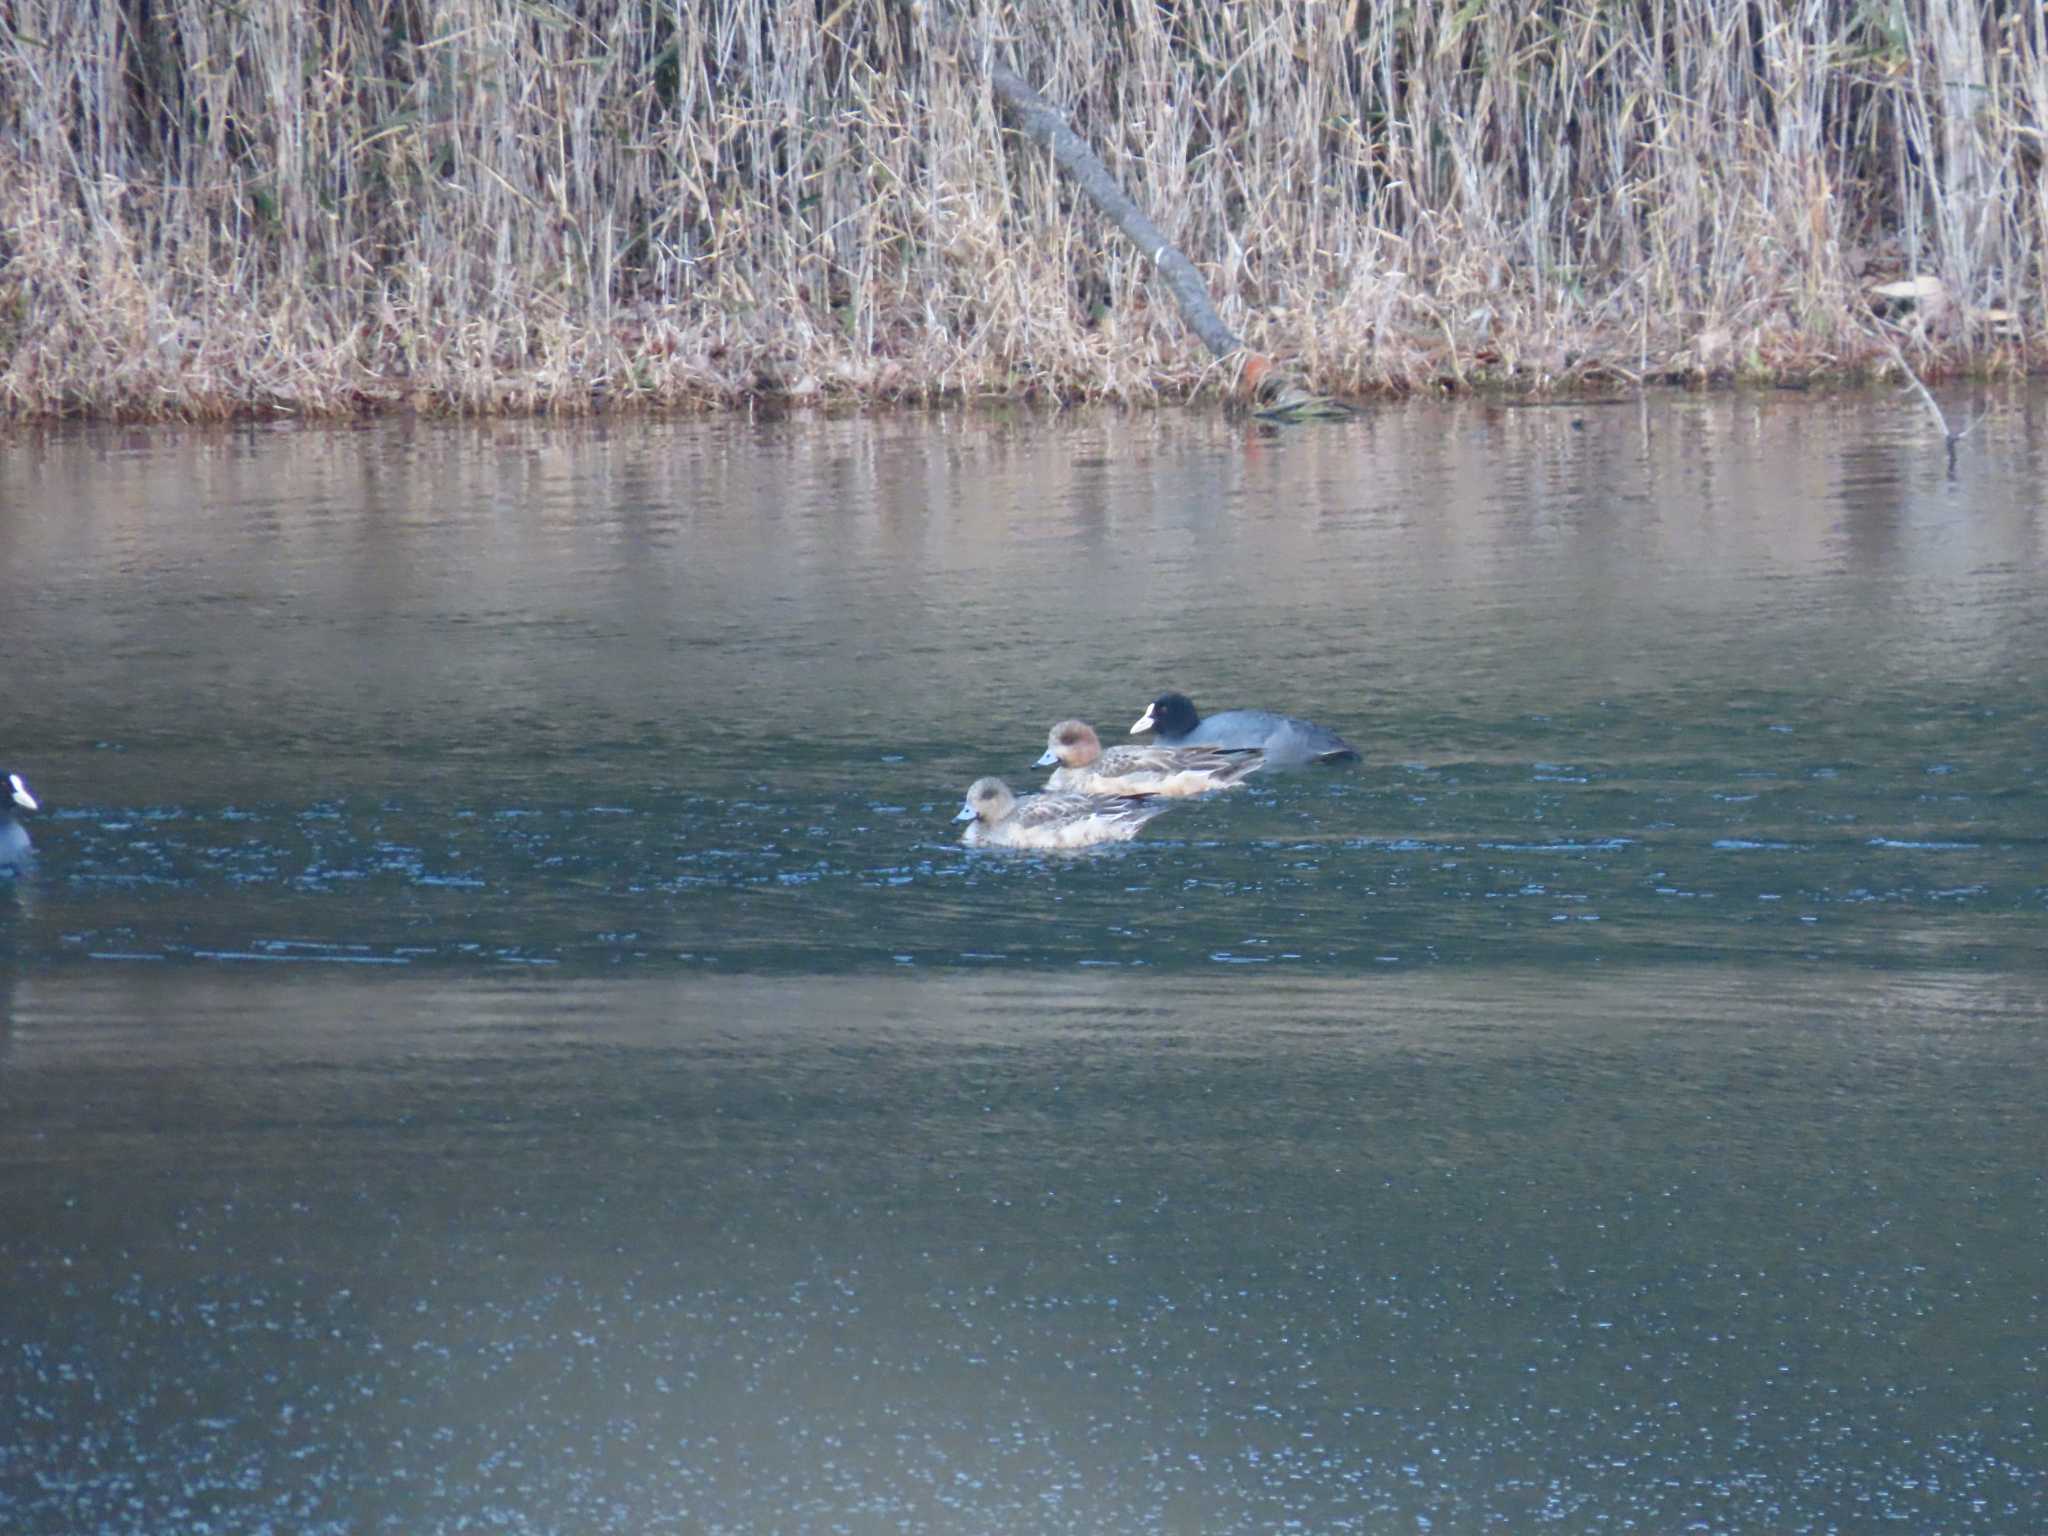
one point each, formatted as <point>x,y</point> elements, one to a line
<point>500,1034</point>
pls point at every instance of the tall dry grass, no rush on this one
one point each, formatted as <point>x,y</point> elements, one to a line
<point>483,205</point>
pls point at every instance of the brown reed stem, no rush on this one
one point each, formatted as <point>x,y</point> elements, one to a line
<point>321,208</point>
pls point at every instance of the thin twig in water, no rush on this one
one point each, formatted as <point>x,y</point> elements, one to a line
<point>1951,438</point>
<point>1913,378</point>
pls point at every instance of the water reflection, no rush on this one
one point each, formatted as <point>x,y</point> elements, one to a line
<point>1680,678</point>
<point>501,1034</point>
<point>1669,1247</point>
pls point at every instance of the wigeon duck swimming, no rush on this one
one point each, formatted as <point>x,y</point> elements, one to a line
<point>15,851</point>
<point>1000,820</point>
<point>1286,741</point>
<point>1152,770</point>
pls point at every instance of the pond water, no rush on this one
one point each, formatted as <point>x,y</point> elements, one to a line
<point>500,1033</point>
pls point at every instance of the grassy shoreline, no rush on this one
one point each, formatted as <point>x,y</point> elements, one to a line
<point>512,206</point>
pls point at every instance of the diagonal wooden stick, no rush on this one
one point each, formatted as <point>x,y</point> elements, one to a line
<point>1913,378</point>
<point>1070,152</point>
<point>1948,436</point>
<point>1041,122</point>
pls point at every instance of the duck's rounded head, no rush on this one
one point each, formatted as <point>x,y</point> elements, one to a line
<point>1171,714</point>
<point>987,800</point>
<point>1072,744</point>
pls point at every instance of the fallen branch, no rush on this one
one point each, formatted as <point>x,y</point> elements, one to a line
<point>1281,398</point>
<point>1949,437</point>
<point>1071,153</point>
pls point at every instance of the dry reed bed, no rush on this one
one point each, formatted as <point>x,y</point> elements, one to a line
<point>513,205</point>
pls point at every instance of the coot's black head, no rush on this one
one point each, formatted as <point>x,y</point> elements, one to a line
<point>1172,714</point>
